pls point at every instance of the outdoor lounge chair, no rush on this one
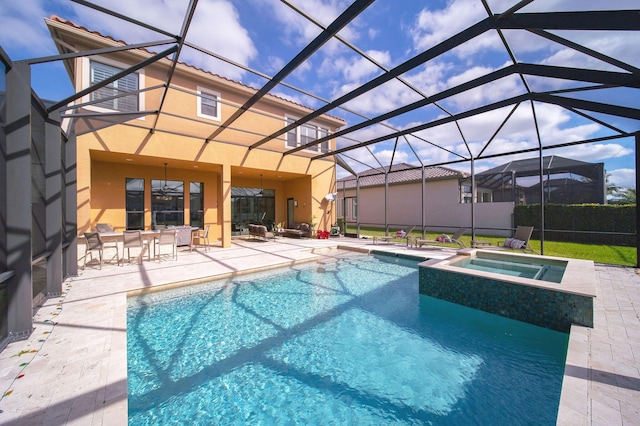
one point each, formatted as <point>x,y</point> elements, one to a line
<point>519,241</point>
<point>454,239</point>
<point>407,235</point>
<point>398,235</point>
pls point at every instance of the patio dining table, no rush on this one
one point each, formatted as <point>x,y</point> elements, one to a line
<point>148,236</point>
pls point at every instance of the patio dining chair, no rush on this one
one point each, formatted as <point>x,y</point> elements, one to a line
<point>200,238</point>
<point>93,243</point>
<point>133,239</point>
<point>167,237</point>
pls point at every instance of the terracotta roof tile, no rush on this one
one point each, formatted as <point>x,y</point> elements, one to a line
<point>400,174</point>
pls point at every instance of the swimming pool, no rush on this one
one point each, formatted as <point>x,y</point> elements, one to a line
<point>345,341</point>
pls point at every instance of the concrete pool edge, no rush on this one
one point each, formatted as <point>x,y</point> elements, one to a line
<point>574,396</point>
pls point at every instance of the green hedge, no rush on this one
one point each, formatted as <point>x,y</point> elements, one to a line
<point>578,218</point>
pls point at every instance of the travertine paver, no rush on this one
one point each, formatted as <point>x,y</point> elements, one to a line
<point>72,369</point>
<point>602,373</point>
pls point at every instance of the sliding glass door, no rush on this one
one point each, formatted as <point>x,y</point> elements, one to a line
<point>252,206</point>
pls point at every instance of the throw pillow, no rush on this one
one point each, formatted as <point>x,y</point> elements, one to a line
<point>516,244</point>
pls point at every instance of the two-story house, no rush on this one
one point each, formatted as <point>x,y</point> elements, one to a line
<point>153,147</point>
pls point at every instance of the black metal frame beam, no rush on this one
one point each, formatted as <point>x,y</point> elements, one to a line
<point>611,20</point>
<point>616,110</point>
<point>606,20</point>
<point>340,22</point>
<point>183,33</point>
<point>425,56</point>
<point>574,74</point>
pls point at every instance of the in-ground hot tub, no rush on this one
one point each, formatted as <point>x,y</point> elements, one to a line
<point>550,270</point>
<point>545,291</point>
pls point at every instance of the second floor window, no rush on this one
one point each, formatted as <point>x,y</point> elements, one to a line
<point>115,93</point>
<point>208,104</point>
<point>305,134</point>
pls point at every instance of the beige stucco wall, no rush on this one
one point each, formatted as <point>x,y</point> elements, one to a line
<point>442,208</point>
<point>108,154</point>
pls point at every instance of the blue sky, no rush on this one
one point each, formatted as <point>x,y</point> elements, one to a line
<point>265,34</point>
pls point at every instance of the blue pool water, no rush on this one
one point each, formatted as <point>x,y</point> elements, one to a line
<point>348,341</point>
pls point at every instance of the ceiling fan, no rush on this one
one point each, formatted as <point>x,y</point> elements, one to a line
<point>167,190</point>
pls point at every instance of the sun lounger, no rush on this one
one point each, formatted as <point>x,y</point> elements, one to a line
<point>519,241</point>
<point>454,239</point>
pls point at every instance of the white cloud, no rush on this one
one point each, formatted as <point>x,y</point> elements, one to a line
<point>433,26</point>
<point>623,177</point>
<point>491,92</point>
<point>362,159</point>
<point>299,30</point>
<point>23,31</point>
<point>596,152</point>
<point>361,68</point>
<point>382,99</point>
<point>227,37</point>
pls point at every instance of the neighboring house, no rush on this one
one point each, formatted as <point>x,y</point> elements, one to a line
<point>444,204</point>
<point>565,181</point>
<point>137,168</point>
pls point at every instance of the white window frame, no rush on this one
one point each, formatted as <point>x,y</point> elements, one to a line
<point>199,113</point>
<point>466,195</point>
<point>86,82</point>
<point>319,133</point>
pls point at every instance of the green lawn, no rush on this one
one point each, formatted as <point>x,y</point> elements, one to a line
<point>615,255</point>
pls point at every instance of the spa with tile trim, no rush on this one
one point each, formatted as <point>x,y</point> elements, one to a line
<point>517,286</point>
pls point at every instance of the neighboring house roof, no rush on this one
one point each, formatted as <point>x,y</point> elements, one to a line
<point>400,174</point>
<point>551,163</point>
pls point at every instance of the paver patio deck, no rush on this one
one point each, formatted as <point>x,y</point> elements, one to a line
<point>72,369</point>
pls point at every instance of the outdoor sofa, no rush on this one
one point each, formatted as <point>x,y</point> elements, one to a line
<point>260,231</point>
<point>300,230</point>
